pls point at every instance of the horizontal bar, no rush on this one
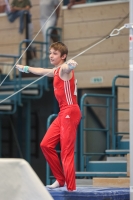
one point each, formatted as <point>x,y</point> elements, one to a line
<point>9,56</point>
<point>99,95</point>
<point>126,86</point>
<point>122,109</point>
<point>95,129</point>
<point>95,105</point>
<point>35,42</point>
<point>121,133</point>
<point>94,154</point>
<point>6,64</point>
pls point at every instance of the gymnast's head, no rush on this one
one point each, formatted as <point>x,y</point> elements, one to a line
<point>60,47</point>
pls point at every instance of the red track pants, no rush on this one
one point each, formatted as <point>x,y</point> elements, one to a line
<point>62,129</point>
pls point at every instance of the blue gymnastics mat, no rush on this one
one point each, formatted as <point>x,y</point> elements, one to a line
<point>90,193</point>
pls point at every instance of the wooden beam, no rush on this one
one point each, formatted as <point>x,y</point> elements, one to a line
<point>123,126</point>
<point>119,44</point>
<point>123,95</point>
<point>123,115</point>
<point>111,182</point>
<point>100,62</point>
<point>11,36</point>
<point>128,164</point>
<point>94,13</point>
<point>90,29</point>
<point>5,24</point>
<point>84,78</point>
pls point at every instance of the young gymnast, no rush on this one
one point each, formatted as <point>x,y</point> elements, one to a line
<point>64,127</point>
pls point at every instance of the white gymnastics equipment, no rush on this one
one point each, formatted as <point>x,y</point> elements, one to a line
<point>18,181</point>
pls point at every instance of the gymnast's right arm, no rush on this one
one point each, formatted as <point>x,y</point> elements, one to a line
<point>36,70</point>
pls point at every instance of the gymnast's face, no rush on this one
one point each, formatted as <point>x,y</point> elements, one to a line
<point>55,57</point>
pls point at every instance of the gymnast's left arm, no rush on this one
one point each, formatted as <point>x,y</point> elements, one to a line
<point>68,66</point>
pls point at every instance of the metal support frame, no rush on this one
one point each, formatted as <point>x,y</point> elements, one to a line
<point>50,118</point>
<point>27,130</point>
<point>15,82</point>
<point>115,109</point>
<point>0,136</point>
<point>59,30</point>
<point>24,126</point>
<point>131,96</point>
<point>82,129</point>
